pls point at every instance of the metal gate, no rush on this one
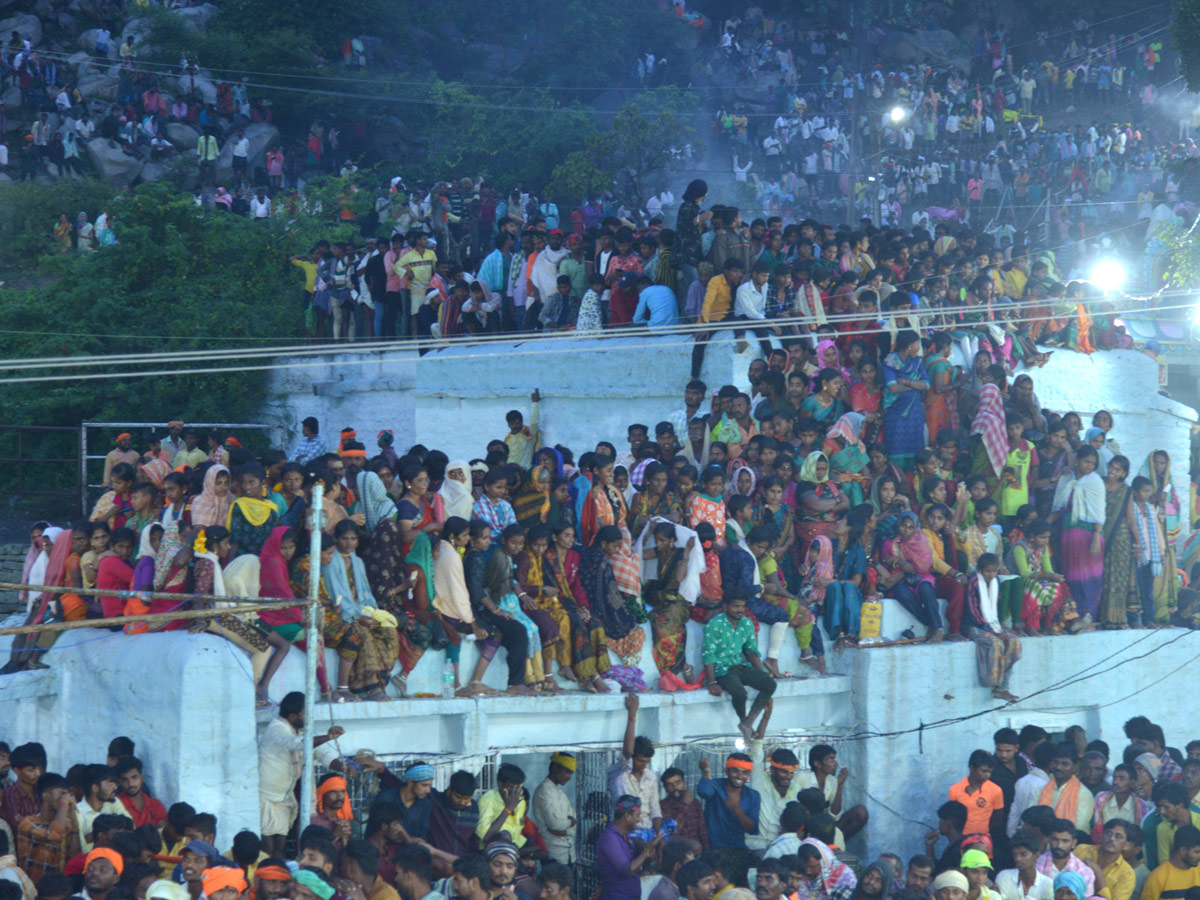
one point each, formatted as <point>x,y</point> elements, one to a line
<point>29,465</point>
<point>276,431</point>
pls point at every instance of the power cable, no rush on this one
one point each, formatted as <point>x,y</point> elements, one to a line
<point>598,346</point>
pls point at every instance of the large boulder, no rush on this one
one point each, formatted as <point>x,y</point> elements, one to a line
<point>87,41</point>
<point>11,97</point>
<point>113,163</point>
<point>28,26</point>
<point>262,137</point>
<point>184,137</point>
<point>936,46</point>
<point>200,83</point>
<point>99,82</point>
<point>153,171</point>
<point>197,17</point>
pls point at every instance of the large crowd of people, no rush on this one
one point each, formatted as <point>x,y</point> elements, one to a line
<point>1038,816</point>
<point>856,469</point>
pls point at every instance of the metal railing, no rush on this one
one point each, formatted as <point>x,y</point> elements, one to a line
<point>85,458</point>
<point>23,461</point>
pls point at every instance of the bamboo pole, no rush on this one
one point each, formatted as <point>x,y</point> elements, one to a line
<point>151,595</point>
<point>149,617</point>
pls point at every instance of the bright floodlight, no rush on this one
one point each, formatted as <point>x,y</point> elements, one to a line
<point>897,114</point>
<point>1108,275</point>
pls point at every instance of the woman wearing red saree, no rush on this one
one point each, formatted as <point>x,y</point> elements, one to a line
<point>275,584</point>
<point>866,397</point>
<point>605,506</point>
<point>589,648</point>
<point>414,513</point>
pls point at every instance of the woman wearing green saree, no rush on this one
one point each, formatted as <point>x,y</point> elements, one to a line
<point>848,458</point>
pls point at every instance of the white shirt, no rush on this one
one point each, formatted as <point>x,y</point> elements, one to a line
<point>87,816</point>
<point>1024,794</point>
<point>242,147</point>
<point>552,809</point>
<point>771,805</point>
<point>281,757</point>
<point>260,209</point>
<point>751,301</point>
<point>1008,883</point>
<point>84,129</point>
<point>621,781</point>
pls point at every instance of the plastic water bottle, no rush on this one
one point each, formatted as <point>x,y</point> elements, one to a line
<point>448,680</point>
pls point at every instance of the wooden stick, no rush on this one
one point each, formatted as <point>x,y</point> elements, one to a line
<point>155,595</point>
<point>149,617</point>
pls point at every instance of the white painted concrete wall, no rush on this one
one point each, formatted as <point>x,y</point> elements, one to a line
<point>371,390</point>
<point>593,388</point>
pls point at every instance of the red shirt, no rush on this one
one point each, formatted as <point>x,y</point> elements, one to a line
<point>151,813</point>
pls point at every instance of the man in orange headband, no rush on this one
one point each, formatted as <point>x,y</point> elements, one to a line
<point>272,880</point>
<point>122,452</point>
<point>776,783</point>
<point>102,870</point>
<point>224,883</point>
<point>333,808</point>
<point>731,808</point>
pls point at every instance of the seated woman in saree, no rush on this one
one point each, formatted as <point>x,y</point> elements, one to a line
<point>589,643</point>
<point>533,503</point>
<point>848,458</point>
<point>346,578</point>
<point>452,605</point>
<point>373,500</point>
<point>275,584</point>
<point>251,517</point>
<point>209,549</point>
<point>414,512</point>
<point>906,571</point>
<point>905,383</point>
<point>507,594</point>
<point>654,499</point>
<point>504,629</point>
<point>819,502</point>
<point>669,611</point>
<point>605,506</point>
<point>823,404</point>
<point>288,498</point>
<point>606,600</point>
<point>535,579</point>
<point>48,569</point>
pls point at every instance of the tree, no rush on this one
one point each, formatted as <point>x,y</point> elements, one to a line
<point>180,278</point>
<point>1186,30</point>
<point>648,136</point>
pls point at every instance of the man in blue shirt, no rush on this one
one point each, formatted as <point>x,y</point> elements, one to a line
<point>730,807</point>
<point>656,304</point>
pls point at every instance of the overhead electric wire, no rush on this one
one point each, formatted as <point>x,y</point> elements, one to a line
<point>431,343</point>
<point>598,346</point>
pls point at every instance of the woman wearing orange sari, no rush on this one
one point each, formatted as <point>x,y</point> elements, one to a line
<point>941,403</point>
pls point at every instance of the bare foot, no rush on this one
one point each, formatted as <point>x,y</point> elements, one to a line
<point>956,637</point>
<point>746,730</point>
<point>589,686</point>
<point>568,674</point>
<point>1005,695</point>
<point>600,686</point>
<point>521,689</point>
<point>772,666</point>
<point>935,637</point>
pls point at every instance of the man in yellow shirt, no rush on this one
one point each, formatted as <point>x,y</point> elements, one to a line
<point>1180,872</point>
<point>418,265</point>
<point>1119,878</point>
<point>503,809</point>
<point>718,296</point>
